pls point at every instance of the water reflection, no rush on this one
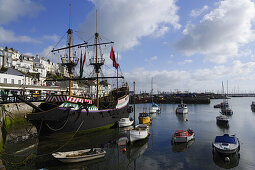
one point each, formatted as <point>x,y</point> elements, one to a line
<point>64,142</point>
<point>153,115</point>
<point>181,147</point>
<point>155,153</point>
<point>219,160</point>
<point>137,149</point>
<point>223,126</point>
<point>182,117</point>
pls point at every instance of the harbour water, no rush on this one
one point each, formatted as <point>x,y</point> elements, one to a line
<point>156,152</point>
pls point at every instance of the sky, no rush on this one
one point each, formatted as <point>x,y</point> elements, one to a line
<point>185,45</point>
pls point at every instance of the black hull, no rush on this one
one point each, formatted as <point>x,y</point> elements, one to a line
<point>222,121</point>
<point>62,120</point>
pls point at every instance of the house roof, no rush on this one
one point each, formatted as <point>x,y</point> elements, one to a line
<point>13,71</point>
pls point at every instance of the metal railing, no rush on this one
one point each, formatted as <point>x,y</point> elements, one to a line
<point>12,99</point>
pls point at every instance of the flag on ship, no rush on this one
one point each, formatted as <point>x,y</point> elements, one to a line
<point>112,56</point>
<point>82,63</point>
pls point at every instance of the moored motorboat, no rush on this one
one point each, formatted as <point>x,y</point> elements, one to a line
<point>124,122</point>
<point>222,119</point>
<point>144,118</point>
<point>79,155</point>
<point>226,144</point>
<point>182,108</point>
<point>225,109</point>
<point>141,131</point>
<point>217,105</point>
<point>183,136</point>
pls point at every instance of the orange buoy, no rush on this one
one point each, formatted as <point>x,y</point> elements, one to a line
<point>124,149</point>
<point>149,133</point>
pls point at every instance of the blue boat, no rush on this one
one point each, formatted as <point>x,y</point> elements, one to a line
<point>154,108</point>
<point>226,144</point>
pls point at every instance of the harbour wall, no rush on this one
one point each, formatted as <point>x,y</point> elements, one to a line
<point>10,114</point>
<point>172,100</point>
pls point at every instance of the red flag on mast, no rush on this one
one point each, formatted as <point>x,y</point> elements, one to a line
<point>112,56</point>
<point>84,59</point>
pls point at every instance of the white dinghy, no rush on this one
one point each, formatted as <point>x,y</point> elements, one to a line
<point>124,122</point>
<point>79,155</point>
<point>140,132</point>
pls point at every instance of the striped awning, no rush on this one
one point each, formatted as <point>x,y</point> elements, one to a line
<point>67,98</point>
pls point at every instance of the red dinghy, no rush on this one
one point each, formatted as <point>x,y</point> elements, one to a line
<point>183,136</point>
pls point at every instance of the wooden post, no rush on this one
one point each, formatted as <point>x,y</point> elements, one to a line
<point>117,73</point>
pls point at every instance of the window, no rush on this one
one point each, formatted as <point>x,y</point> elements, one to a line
<point>5,80</point>
<point>12,81</point>
<point>19,82</point>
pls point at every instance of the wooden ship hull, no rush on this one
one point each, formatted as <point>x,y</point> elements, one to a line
<point>71,117</point>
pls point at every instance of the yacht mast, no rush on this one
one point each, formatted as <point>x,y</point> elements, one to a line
<point>152,90</point>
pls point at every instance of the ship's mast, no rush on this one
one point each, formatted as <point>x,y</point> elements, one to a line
<point>69,45</point>
<point>96,37</point>
<point>67,60</point>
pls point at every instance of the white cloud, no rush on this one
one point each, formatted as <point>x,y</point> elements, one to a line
<point>11,10</point>
<point>220,33</point>
<point>7,36</point>
<point>153,58</point>
<point>125,22</point>
<point>197,12</point>
<point>195,80</point>
<point>185,62</point>
<point>54,37</point>
<point>30,54</point>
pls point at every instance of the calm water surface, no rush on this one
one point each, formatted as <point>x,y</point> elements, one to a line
<point>157,152</point>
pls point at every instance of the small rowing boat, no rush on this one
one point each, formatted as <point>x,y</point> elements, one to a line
<point>79,155</point>
<point>183,136</point>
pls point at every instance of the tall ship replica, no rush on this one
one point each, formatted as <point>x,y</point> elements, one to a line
<point>69,113</point>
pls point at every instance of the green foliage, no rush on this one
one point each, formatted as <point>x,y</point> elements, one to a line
<point>4,69</point>
<point>53,76</point>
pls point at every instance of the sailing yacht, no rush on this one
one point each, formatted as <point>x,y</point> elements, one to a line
<point>225,109</point>
<point>154,107</point>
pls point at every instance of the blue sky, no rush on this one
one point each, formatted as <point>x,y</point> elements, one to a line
<point>189,45</point>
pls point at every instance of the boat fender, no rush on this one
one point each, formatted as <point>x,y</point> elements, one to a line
<point>227,159</point>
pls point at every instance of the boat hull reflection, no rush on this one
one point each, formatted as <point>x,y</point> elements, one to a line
<point>182,147</point>
<point>220,161</point>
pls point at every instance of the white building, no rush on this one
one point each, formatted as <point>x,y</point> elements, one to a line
<point>25,63</point>
<point>40,67</point>
<point>12,76</point>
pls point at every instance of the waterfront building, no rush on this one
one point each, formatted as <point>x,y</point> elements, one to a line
<point>12,76</point>
<point>8,57</point>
